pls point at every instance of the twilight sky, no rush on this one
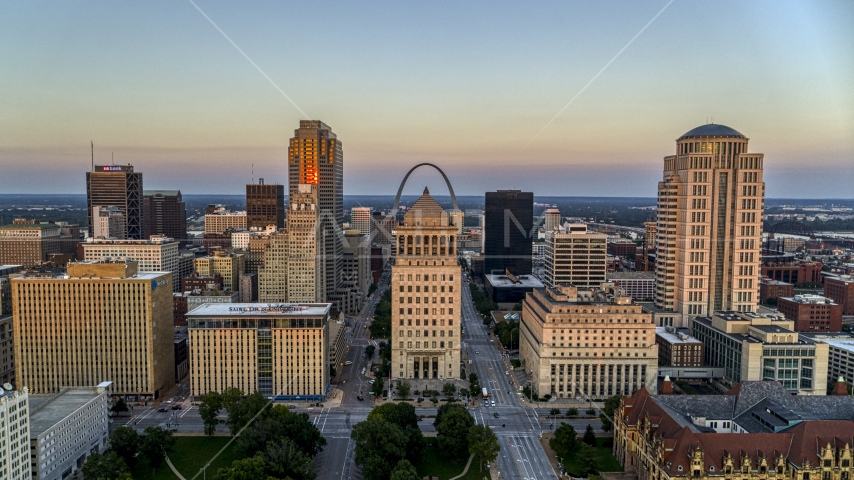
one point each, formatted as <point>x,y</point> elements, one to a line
<point>465,85</point>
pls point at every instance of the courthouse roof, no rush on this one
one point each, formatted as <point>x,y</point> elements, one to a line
<point>712,130</point>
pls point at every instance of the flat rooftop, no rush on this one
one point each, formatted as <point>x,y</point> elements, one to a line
<point>674,337</point>
<point>847,345</point>
<point>523,281</point>
<point>631,276</point>
<point>47,410</point>
<point>267,310</point>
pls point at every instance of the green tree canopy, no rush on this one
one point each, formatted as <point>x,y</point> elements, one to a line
<point>283,458</point>
<point>564,441</point>
<point>279,422</point>
<point>404,471</point>
<point>589,437</point>
<point>125,441</point>
<point>606,415</point>
<point>483,444</point>
<point>403,388</point>
<point>242,409</point>
<point>252,468</point>
<point>452,431</point>
<point>156,443</point>
<point>108,466</point>
<point>120,406</point>
<point>379,445</point>
<point>211,404</point>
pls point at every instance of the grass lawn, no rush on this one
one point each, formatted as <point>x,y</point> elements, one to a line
<point>436,465</point>
<point>605,460</point>
<point>190,455</point>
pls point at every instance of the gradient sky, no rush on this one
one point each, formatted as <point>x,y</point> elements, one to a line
<point>465,85</point>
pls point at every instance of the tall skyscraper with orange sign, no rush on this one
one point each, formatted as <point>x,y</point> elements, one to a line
<point>316,157</point>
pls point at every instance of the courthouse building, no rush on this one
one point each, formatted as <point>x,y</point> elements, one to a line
<point>587,343</point>
<point>425,295</point>
<point>280,350</point>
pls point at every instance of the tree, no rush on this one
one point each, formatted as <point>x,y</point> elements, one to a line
<point>590,411</point>
<point>379,445</point>
<point>587,460</point>
<point>279,422</point>
<point>589,437</point>
<point>403,388</point>
<point>283,458</point>
<point>483,444</point>
<point>369,351</point>
<point>209,408</point>
<point>119,407</point>
<point>572,412</point>
<point>564,441</point>
<point>452,431</point>
<point>252,468</point>
<point>474,383</point>
<point>377,387</point>
<point>404,471</point>
<point>606,415</point>
<point>108,466</point>
<point>242,410</point>
<point>156,443</point>
<point>449,389</point>
<point>464,392</point>
<point>554,411</point>
<point>125,442</point>
<point>401,414</point>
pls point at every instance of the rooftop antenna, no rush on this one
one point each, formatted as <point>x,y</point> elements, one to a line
<point>112,158</point>
<point>713,119</point>
<point>92,145</point>
<point>253,172</point>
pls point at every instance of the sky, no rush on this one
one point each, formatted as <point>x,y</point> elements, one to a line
<point>559,98</point>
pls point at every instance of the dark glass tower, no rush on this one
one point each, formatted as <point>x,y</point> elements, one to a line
<point>265,205</point>
<point>117,186</point>
<point>508,223</point>
<point>164,214</point>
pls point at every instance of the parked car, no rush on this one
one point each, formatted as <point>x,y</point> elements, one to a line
<point>496,415</point>
<point>161,410</point>
<point>176,407</point>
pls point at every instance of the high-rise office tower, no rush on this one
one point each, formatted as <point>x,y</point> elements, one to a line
<point>306,238</point>
<point>119,186</point>
<point>360,219</point>
<point>29,243</point>
<point>165,214</point>
<point>509,219</point>
<point>425,295</point>
<point>265,205</point>
<point>273,274</point>
<point>710,206</point>
<point>316,157</point>
<point>382,226</point>
<point>102,320</point>
<point>574,256</point>
<point>458,220</point>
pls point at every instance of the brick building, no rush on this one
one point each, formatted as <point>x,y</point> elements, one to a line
<point>622,248</point>
<point>841,291</point>
<point>795,273</point>
<point>769,288</point>
<point>676,349</point>
<point>812,313</point>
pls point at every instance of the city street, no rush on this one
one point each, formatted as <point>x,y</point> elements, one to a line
<point>518,427</point>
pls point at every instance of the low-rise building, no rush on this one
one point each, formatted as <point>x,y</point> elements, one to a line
<point>664,318</point>
<point>65,428</point>
<point>773,289</point>
<point>622,248</point>
<point>220,222</point>
<point>587,343</point>
<point>280,350</point>
<point>754,347</point>
<point>638,285</point>
<point>678,349</point>
<point>840,355</point>
<point>510,288</point>
<point>812,313</point>
<point>793,273</point>
<point>756,430</point>
<point>28,243</point>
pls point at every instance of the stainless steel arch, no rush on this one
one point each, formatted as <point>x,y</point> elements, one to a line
<point>403,183</point>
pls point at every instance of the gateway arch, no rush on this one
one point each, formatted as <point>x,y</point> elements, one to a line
<point>403,183</point>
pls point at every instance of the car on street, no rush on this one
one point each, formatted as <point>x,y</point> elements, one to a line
<point>161,410</point>
<point>493,403</point>
<point>496,415</point>
<point>476,352</point>
<point>176,407</point>
<point>348,362</point>
<point>360,398</point>
<point>371,381</point>
<point>292,406</point>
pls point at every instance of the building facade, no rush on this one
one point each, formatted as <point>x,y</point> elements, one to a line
<point>164,213</point>
<point>219,223</point>
<point>265,205</point>
<point>575,257</point>
<point>841,291</point>
<point>507,232</point>
<point>638,285</point>
<point>101,320</point>
<point>227,265</point>
<point>710,207</point>
<point>158,254</point>
<point>425,295</point>
<point>586,343</point>
<point>28,244</point>
<point>108,222</point>
<point>7,350</point>
<point>65,428</point>
<point>357,268</point>
<point>360,219</point>
<point>273,276</point>
<point>14,434</point>
<point>812,313</point>
<point>753,347</point>
<point>316,159</point>
<point>757,430</point>
<point>280,350</point>
<point>117,186</point>
<point>771,290</point>
<point>677,349</point>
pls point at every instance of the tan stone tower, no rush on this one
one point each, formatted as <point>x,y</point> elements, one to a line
<point>710,208</point>
<point>425,289</point>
